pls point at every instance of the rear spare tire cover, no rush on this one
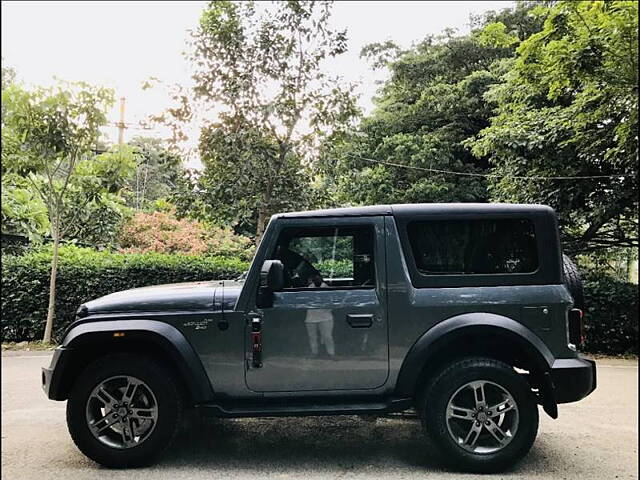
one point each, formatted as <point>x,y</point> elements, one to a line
<point>573,281</point>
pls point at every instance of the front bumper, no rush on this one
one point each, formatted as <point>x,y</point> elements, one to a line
<point>52,376</point>
<point>573,379</point>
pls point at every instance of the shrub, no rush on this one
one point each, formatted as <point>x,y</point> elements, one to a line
<point>162,232</point>
<point>85,274</point>
<point>611,316</point>
<point>339,268</point>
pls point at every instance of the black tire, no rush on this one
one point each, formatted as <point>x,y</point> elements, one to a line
<point>573,281</point>
<point>443,387</point>
<point>169,409</point>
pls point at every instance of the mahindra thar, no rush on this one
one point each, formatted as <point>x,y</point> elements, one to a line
<point>467,313</point>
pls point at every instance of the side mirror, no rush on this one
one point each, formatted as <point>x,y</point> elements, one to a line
<point>272,275</point>
<point>271,279</point>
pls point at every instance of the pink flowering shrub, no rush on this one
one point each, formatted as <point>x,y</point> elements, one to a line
<point>162,232</point>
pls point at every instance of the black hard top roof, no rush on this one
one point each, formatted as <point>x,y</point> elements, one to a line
<point>408,209</point>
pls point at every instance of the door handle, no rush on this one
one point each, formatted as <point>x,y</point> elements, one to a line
<point>360,320</point>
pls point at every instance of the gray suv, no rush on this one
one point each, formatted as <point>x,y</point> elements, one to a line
<point>467,313</point>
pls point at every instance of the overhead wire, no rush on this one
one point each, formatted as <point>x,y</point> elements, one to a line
<point>489,175</point>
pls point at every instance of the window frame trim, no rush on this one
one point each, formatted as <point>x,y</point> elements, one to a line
<point>456,274</point>
<point>546,237</point>
<point>328,223</point>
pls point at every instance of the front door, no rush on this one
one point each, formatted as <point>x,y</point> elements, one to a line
<point>327,328</point>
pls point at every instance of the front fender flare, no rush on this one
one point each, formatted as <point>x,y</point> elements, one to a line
<point>162,335</point>
<point>435,340</point>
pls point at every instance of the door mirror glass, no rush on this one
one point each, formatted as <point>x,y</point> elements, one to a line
<point>272,275</point>
<point>271,279</point>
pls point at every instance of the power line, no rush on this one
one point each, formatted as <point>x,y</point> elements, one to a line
<point>488,175</point>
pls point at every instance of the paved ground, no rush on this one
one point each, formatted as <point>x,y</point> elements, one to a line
<point>593,439</point>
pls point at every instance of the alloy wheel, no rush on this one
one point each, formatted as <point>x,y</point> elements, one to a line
<point>482,417</point>
<point>121,412</point>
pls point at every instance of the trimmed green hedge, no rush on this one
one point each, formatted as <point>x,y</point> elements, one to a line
<point>84,274</point>
<point>611,320</point>
<point>339,268</point>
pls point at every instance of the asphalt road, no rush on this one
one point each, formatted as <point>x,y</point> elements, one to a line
<point>593,439</point>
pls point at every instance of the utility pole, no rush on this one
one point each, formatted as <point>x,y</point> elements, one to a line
<point>121,125</point>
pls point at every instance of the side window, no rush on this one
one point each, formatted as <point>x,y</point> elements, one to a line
<point>460,247</point>
<point>327,257</point>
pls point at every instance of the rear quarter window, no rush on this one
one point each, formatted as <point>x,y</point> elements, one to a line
<point>473,246</point>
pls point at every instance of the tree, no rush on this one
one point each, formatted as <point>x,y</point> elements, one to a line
<point>95,208</point>
<point>568,106</point>
<point>259,68</point>
<point>49,135</point>
<point>248,177</point>
<point>157,174</point>
<point>23,211</point>
<point>433,101</point>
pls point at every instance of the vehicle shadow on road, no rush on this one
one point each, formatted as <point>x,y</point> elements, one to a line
<point>312,444</point>
<point>302,443</point>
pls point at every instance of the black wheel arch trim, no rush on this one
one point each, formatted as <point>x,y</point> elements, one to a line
<point>163,335</point>
<point>435,340</point>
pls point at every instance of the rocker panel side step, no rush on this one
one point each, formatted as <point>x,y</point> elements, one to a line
<point>302,409</point>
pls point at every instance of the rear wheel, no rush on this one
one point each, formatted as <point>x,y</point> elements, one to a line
<point>481,414</point>
<point>124,410</point>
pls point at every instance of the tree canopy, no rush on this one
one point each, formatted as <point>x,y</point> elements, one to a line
<point>157,173</point>
<point>54,184</point>
<point>537,103</point>
<point>258,68</point>
<point>537,91</point>
<point>567,105</point>
<point>433,101</point>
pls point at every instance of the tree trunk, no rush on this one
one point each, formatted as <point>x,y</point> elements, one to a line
<point>263,218</point>
<point>51,311</point>
<point>263,215</point>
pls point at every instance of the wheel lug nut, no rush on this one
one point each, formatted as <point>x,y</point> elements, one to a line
<point>115,415</point>
<point>487,422</point>
<point>477,424</point>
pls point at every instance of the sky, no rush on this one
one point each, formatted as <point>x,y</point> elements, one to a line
<point>122,44</point>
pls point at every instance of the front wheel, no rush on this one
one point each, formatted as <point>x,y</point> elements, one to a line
<point>481,414</point>
<point>123,410</point>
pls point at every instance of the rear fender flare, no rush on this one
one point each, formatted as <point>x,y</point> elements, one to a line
<point>436,340</point>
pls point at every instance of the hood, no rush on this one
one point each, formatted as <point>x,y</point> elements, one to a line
<point>191,296</point>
